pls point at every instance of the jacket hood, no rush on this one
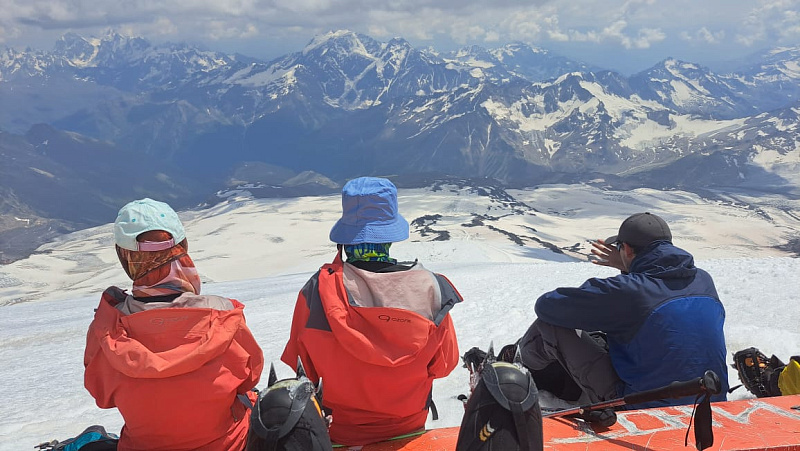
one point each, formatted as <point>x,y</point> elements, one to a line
<point>382,336</point>
<point>663,260</point>
<point>163,342</point>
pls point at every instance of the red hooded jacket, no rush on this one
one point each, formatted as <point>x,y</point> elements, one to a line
<point>173,373</point>
<point>377,362</point>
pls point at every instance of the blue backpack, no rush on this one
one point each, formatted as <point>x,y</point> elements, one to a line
<point>93,438</point>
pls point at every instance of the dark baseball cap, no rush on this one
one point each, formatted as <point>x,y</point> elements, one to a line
<point>641,229</point>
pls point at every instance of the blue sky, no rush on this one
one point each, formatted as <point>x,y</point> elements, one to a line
<point>628,35</point>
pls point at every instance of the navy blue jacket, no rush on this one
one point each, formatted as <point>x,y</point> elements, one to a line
<point>663,320</point>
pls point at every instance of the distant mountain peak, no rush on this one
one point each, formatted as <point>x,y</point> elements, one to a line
<point>533,63</point>
<point>676,68</point>
<point>513,48</point>
<point>110,36</point>
<point>75,47</point>
<point>569,76</point>
<point>79,51</point>
<point>473,49</point>
<point>346,39</point>
<point>397,40</point>
<point>676,63</point>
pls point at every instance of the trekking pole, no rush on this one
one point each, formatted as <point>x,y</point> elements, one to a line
<point>708,384</point>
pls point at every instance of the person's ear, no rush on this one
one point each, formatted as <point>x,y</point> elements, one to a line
<point>628,249</point>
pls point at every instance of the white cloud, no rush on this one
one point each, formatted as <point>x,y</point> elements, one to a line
<point>163,26</point>
<point>648,36</point>
<point>554,32</point>
<point>378,31</point>
<point>8,32</point>
<point>475,32</point>
<point>750,39</point>
<point>588,36</point>
<point>465,34</point>
<point>524,25</point>
<point>789,28</point>
<point>633,7</point>
<point>703,35</point>
<point>305,6</point>
<point>616,32</point>
<point>249,31</point>
<point>492,36</point>
<point>768,21</point>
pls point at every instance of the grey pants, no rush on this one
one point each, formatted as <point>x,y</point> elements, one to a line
<point>581,356</point>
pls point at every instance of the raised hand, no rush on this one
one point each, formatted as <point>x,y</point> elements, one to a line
<point>606,255</point>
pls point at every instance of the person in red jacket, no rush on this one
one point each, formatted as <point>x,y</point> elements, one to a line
<point>179,366</point>
<point>377,332</point>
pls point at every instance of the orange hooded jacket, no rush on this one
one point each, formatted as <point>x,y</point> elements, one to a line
<point>377,363</point>
<point>174,374</point>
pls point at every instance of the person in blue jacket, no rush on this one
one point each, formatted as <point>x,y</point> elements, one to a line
<point>661,320</point>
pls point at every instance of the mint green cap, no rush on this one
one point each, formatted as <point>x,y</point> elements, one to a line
<point>144,215</point>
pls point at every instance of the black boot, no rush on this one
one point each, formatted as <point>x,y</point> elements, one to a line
<point>604,418</point>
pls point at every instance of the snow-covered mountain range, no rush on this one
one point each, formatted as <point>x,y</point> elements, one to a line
<point>510,113</point>
<point>348,105</point>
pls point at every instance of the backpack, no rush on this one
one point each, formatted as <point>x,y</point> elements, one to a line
<point>93,438</point>
<point>288,417</point>
<point>502,413</point>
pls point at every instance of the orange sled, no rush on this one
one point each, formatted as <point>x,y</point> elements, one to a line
<point>754,424</point>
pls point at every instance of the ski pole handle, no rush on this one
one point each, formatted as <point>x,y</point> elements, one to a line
<point>711,382</point>
<point>708,383</point>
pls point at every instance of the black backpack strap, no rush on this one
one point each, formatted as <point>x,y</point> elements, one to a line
<point>245,400</point>
<point>519,422</point>
<point>432,406</point>
<point>450,297</point>
<point>101,445</point>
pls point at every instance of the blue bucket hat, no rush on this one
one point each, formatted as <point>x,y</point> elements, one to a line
<point>369,213</point>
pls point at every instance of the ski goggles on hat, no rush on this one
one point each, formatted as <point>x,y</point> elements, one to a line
<point>152,246</point>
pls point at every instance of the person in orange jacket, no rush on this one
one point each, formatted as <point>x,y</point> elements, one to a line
<point>377,332</point>
<point>179,366</point>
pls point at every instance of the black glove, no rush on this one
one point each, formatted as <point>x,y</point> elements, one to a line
<point>473,358</point>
